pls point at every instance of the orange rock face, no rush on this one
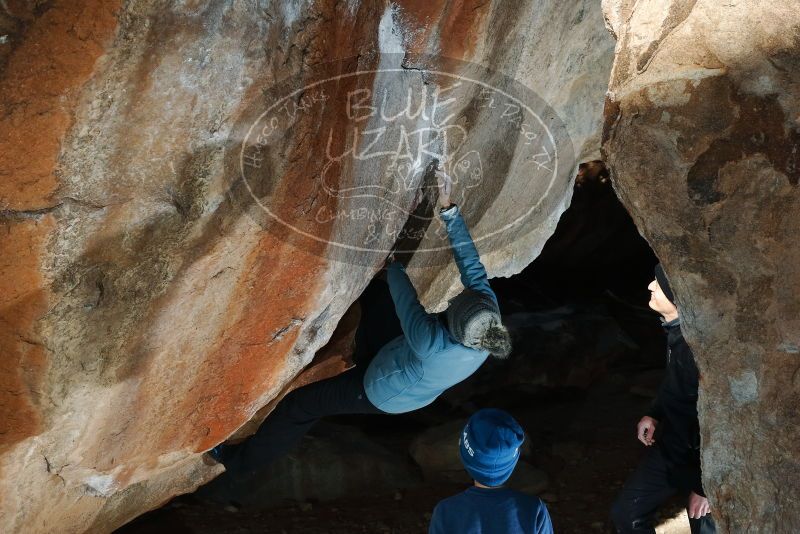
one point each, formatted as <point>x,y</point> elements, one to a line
<point>54,58</point>
<point>149,308</point>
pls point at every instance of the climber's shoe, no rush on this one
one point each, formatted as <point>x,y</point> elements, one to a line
<point>213,456</point>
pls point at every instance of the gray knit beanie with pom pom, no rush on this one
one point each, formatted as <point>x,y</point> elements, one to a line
<point>473,319</point>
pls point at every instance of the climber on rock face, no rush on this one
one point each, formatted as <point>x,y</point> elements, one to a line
<point>673,465</point>
<point>405,357</point>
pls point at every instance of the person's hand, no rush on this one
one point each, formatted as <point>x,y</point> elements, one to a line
<point>445,183</point>
<point>646,429</point>
<point>381,275</point>
<point>400,257</point>
<point>698,506</point>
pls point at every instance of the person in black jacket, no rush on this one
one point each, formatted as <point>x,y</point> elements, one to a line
<point>671,424</point>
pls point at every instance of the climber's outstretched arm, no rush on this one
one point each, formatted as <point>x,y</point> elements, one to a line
<point>423,332</point>
<point>473,273</point>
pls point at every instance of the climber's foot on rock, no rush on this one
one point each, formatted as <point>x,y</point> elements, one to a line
<point>214,454</point>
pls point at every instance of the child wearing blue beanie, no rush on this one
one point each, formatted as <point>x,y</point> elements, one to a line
<point>490,448</point>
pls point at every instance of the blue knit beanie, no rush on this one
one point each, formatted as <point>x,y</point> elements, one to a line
<point>490,445</point>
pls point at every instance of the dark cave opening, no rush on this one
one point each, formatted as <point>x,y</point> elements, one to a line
<point>587,359</point>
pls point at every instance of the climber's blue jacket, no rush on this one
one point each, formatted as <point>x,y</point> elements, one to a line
<point>412,370</point>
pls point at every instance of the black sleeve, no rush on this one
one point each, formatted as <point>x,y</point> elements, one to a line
<point>655,410</point>
<point>697,476</point>
<point>689,476</point>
